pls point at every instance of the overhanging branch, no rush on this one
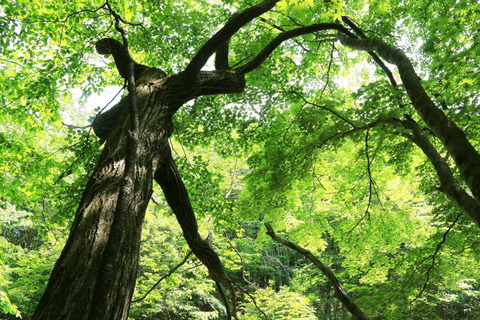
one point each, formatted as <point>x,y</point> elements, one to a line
<point>267,51</point>
<point>340,292</point>
<point>181,263</point>
<point>466,158</point>
<point>374,56</point>
<point>223,35</point>
<point>448,184</point>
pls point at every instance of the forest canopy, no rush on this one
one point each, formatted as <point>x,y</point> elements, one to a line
<point>210,159</point>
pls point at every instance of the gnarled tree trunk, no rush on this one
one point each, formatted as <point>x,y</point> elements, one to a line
<point>94,278</point>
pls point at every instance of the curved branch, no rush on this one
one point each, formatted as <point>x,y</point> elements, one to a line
<point>448,184</point>
<point>434,256</point>
<point>374,56</point>
<point>224,34</point>
<point>176,194</point>
<point>466,158</point>
<point>265,53</point>
<point>335,113</point>
<point>340,293</point>
<point>181,263</point>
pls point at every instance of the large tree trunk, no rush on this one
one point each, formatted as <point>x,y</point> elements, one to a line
<point>102,250</point>
<point>94,277</point>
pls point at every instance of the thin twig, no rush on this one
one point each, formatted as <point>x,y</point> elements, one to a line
<point>434,256</point>
<point>254,301</point>
<point>370,184</point>
<point>181,263</point>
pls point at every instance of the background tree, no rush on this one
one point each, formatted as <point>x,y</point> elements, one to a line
<point>330,160</point>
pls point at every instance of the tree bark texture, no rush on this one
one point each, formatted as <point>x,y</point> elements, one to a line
<point>94,277</point>
<point>87,263</point>
<point>466,158</point>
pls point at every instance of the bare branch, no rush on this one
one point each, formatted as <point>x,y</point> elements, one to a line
<point>265,53</point>
<point>181,263</point>
<point>434,256</point>
<point>273,25</point>
<point>356,129</point>
<point>371,183</point>
<point>254,302</point>
<point>340,292</point>
<point>335,113</point>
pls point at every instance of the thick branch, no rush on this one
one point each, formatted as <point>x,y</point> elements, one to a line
<point>177,197</point>
<point>374,56</point>
<point>265,53</point>
<point>466,158</point>
<point>207,83</point>
<point>448,184</point>
<point>121,57</point>
<point>221,57</point>
<point>340,293</point>
<point>217,82</point>
<point>224,34</point>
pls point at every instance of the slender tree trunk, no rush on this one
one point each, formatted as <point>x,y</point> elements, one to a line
<point>454,139</point>
<point>466,158</point>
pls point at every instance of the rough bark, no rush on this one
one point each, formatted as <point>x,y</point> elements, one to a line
<point>340,292</point>
<point>86,262</point>
<point>466,158</point>
<point>448,184</point>
<point>81,268</point>
<point>94,277</point>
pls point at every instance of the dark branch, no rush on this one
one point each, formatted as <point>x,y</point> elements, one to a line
<point>121,57</point>
<point>335,113</point>
<point>254,301</point>
<point>224,34</point>
<point>340,292</point>
<point>448,183</point>
<point>434,256</point>
<point>466,157</point>
<point>181,263</point>
<point>371,183</point>
<point>340,135</point>
<point>265,53</point>
<point>177,197</point>
<point>372,54</point>
<point>221,57</point>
